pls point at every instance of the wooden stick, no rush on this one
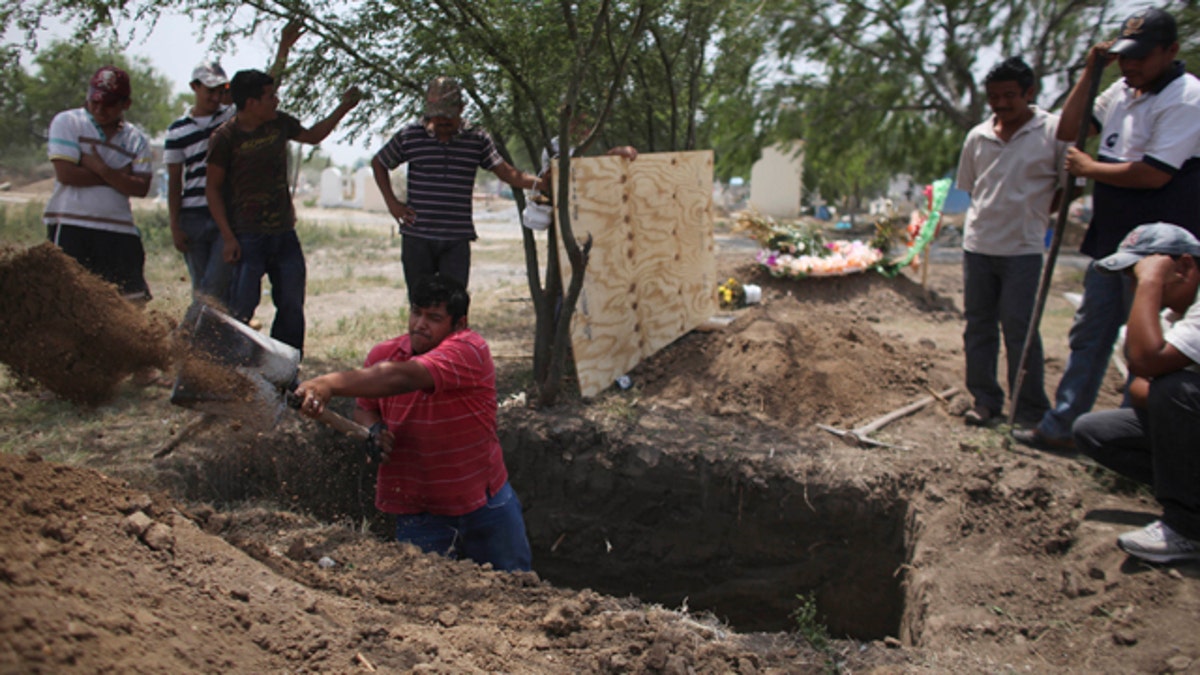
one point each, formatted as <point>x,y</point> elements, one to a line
<point>188,432</point>
<point>860,435</point>
<point>1064,208</point>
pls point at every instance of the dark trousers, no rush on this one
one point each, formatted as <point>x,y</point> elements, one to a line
<point>999,294</point>
<point>426,257</point>
<point>1157,446</point>
<point>280,257</point>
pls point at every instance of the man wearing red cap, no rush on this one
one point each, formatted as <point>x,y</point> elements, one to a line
<point>100,161</point>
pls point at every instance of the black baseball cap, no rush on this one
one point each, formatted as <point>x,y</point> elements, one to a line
<point>1144,31</point>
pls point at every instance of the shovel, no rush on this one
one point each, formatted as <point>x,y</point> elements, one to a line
<point>235,372</point>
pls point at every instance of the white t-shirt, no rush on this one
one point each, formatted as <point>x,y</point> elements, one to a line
<point>1183,333</point>
<point>97,207</point>
<point>1011,185</point>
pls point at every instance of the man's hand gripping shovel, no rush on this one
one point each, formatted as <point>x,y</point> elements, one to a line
<point>233,372</point>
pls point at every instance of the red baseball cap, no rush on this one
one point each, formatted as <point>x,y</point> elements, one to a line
<point>109,85</point>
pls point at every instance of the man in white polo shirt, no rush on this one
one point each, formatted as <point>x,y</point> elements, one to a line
<point>1147,169</point>
<point>100,161</point>
<point>1010,165</point>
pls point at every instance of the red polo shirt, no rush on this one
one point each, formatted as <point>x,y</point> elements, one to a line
<point>447,458</point>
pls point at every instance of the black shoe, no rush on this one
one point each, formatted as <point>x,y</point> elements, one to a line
<point>1036,439</point>
<point>979,416</point>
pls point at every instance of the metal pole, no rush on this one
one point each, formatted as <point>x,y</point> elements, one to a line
<point>1052,257</point>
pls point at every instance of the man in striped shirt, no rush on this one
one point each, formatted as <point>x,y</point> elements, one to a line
<point>442,153</point>
<point>429,397</point>
<point>100,161</point>
<point>193,229</point>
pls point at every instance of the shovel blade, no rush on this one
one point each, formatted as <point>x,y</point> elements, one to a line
<point>232,370</point>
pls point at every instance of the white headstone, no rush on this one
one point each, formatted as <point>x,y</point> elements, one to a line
<point>776,181</point>
<point>331,188</point>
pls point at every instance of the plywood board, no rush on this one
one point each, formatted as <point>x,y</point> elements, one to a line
<point>651,276</point>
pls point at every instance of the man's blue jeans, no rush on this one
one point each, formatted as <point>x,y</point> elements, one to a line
<point>209,272</point>
<point>279,257</point>
<point>1106,301</point>
<point>1155,446</point>
<point>494,533</point>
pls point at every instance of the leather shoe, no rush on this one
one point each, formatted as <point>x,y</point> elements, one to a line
<point>979,416</point>
<point>1036,439</point>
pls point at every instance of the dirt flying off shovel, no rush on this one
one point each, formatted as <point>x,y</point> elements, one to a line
<point>235,372</point>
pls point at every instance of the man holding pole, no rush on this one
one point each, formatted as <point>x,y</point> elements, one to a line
<point>1010,167</point>
<point>1148,169</point>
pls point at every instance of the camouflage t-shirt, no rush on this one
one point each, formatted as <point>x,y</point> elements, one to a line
<point>256,178</point>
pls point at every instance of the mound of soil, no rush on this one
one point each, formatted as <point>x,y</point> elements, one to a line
<point>70,330</point>
<point>809,354</point>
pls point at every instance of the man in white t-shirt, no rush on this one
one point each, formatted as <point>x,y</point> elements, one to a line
<point>1154,442</point>
<point>1010,165</point>
<point>100,161</point>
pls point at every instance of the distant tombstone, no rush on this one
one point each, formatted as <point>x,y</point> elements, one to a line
<point>331,188</point>
<point>775,181</point>
<point>371,197</point>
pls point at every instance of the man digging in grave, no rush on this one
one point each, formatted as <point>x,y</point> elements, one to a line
<point>1154,441</point>
<point>429,397</point>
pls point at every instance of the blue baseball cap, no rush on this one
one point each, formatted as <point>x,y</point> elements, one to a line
<point>1151,239</point>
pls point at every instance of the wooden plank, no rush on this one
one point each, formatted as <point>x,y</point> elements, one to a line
<point>652,272</point>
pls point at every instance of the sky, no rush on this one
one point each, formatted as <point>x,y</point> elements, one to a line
<point>174,48</point>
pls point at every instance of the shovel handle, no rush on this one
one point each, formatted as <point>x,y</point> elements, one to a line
<point>347,426</point>
<point>332,420</point>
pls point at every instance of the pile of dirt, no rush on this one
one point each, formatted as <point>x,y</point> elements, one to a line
<point>70,330</point>
<point>795,362</point>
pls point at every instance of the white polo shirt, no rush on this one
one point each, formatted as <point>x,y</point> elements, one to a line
<point>1161,127</point>
<point>97,207</point>
<point>1011,185</point>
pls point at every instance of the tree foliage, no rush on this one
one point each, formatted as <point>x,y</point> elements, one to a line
<point>894,85</point>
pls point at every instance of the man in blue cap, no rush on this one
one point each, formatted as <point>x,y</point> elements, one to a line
<point>1154,442</point>
<point>1147,169</point>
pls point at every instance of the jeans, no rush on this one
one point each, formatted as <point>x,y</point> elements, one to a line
<point>1106,301</point>
<point>494,533</point>
<point>1155,446</point>
<point>425,257</point>
<point>279,257</point>
<point>999,292</point>
<point>210,274</point>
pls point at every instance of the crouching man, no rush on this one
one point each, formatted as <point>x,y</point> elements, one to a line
<point>1154,442</point>
<point>429,397</point>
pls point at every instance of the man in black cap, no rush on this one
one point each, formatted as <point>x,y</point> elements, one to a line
<point>442,153</point>
<point>1147,169</point>
<point>1154,442</point>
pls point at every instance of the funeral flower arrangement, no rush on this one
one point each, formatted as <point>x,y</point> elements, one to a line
<point>802,251</point>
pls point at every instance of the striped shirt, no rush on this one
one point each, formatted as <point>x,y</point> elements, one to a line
<point>447,458</point>
<point>97,207</point>
<point>187,144</point>
<point>441,178</point>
